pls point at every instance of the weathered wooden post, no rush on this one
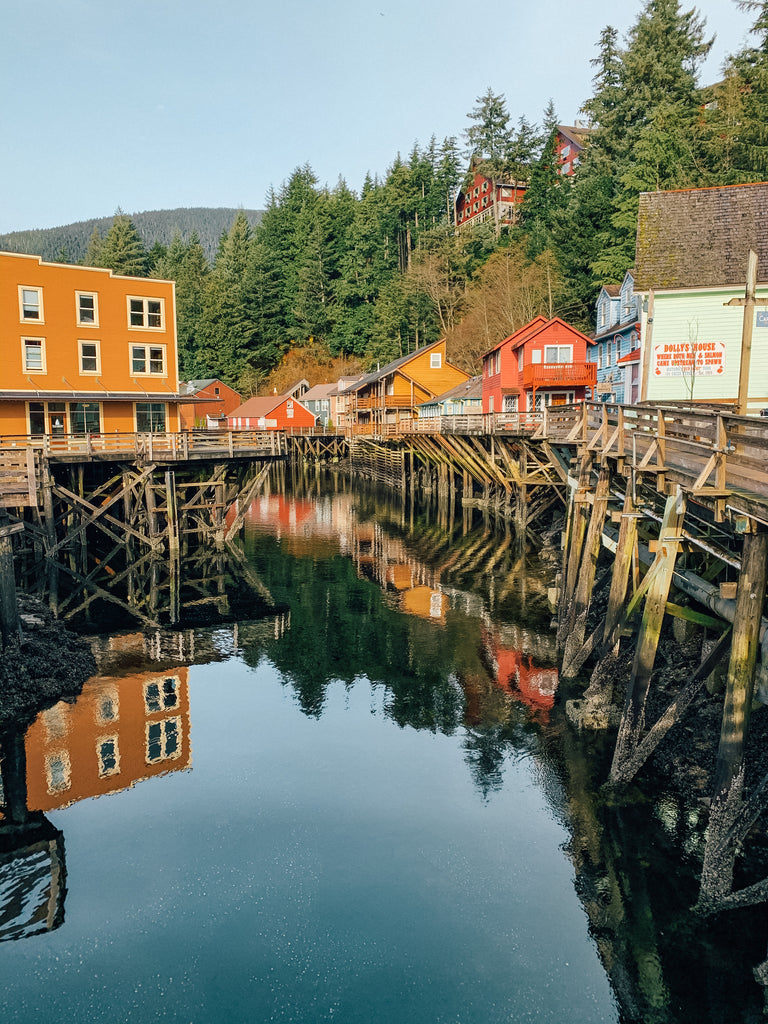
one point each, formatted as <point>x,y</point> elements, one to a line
<point>577,612</point>
<point>633,719</point>
<point>720,852</point>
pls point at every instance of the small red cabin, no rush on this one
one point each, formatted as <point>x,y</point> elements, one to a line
<point>274,412</point>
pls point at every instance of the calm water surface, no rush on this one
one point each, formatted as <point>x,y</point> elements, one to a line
<point>351,798</point>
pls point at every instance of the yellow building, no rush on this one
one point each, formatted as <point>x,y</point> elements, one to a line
<point>382,399</point>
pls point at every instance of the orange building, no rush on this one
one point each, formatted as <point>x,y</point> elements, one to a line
<point>120,731</point>
<point>85,351</point>
<point>391,394</point>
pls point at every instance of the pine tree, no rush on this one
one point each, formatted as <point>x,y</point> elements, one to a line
<point>92,256</point>
<point>489,138</point>
<point>123,250</point>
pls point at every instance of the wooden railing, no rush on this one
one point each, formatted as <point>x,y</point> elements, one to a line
<point>193,444</point>
<point>572,375</point>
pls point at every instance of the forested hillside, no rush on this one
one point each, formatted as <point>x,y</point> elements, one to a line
<point>70,241</point>
<point>331,276</point>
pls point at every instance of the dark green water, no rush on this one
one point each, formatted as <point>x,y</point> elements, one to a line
<point>372,810</point>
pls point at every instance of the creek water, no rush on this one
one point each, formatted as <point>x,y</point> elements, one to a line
<point>338,786</point>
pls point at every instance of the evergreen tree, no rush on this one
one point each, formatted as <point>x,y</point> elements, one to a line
<point>92,256</point>
<point>546,195</point>
<point>488,137</point>
<point>742,103</point>
<point>123,250</point>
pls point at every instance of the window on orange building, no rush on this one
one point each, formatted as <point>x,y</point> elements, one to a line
<point>109,759</point>
<point>163,740</point>
<point>150,417</point>
<point>87,309</point>
<point>34,354</point>
<point>435,360</point>
<point>148,359</point>
<point>90,357</point>
<point>146,313</point>
<point>31,304</point>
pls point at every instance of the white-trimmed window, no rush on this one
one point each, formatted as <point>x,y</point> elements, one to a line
<point>161,694</point>
<point>33,355</point>
<point>558,353</point>
<point>163,740</point>
<point>87,306</point>
<point>90,356</point>
<point>145,314</point>
<point>520,359</point>
<point>108,756</point>
<point>536,355</point>
<point>148,359</point>
<point>58,771</point>
<point>31,304</point>
<point>435,360</point>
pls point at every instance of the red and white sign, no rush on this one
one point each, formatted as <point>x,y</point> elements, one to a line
<point>689,359</point>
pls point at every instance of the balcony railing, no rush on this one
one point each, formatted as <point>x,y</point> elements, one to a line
<point>566,375</point>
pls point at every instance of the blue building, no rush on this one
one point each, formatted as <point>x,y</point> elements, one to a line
<point>616,343</point>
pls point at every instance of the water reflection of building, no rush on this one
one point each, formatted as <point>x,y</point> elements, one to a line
<point>32,880</point>
<point>120,731</point>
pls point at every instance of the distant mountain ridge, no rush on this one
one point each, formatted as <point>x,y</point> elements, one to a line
<point>153,226</point>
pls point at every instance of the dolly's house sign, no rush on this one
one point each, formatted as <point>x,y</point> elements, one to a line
<point>685,358</point>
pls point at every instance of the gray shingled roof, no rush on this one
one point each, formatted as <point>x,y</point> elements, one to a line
<point>700,237</point>
<point>472,388</point>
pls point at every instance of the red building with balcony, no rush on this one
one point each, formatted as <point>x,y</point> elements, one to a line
<point>485,199</point>
<point>544,363</point>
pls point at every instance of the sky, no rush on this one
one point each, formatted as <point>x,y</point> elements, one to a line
<point>157,104</point>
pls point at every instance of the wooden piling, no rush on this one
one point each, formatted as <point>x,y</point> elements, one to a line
<point>633,718</point>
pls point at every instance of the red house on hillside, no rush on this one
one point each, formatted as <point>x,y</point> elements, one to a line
<point>485,199</point>
<point>273,412</point>
<point>543,363</point>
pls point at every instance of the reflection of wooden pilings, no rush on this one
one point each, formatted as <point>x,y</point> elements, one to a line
<point>13,761</point>
<point>171,512</point>
<point>717,873</point>
<point>633,717</point>
<point>577,613</point>
<point>576,532</point>
<point>9,613</point>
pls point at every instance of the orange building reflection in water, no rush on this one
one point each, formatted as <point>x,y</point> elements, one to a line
<point>517,674</point>
<point>120,731</point>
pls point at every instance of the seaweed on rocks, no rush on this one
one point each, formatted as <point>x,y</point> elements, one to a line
<point>46,665</point>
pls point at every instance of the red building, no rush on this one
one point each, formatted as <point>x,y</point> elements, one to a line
<point>485,199</point>
<point>274,412</point>
<point>543,363</point>
<point>210,402</point>
<point>570,141</point>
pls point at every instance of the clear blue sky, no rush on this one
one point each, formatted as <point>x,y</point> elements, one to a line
<point>154,104</point>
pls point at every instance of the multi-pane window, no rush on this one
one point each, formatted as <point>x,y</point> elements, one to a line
<point>435,360</point>
<point>150,416</point>
<point>31,303</point>
<point>58,771</point>
<point>87,310</point>
<point>163,740</point>
<point>557,353</point>
<point>147,359</point>
<point>109,760</point>
<point>161,694</point>
<point>34,355</point>
<point>147,313</point>
<point>89,357</point>
<point>85,417</point>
